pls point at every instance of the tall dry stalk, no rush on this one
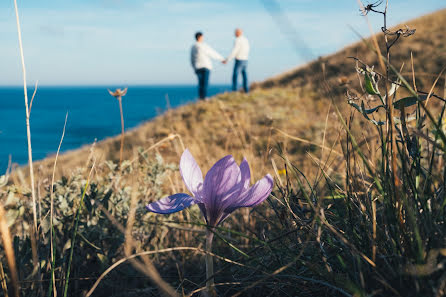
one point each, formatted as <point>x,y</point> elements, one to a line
<point>52,285</point>
<point>118,94</point>
<point>28,134</point>
<point>3,280</point>
<point>28,129</point>
<point>9,251</point>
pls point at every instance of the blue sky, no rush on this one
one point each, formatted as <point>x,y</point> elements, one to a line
<point>126,42</point>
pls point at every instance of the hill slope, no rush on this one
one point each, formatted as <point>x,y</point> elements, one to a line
<point>428,46</point>
<point>292,102</point>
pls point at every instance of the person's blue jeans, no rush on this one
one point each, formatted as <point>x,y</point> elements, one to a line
<point>203,81</point>
<point>240,66</point>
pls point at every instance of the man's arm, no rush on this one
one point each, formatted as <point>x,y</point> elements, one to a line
<point>193,57</point>
<point>235,50</point>
<point>213,53</point>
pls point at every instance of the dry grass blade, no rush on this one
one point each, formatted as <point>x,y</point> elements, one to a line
<point>433,86</point>
<point>32,98</point>
<point>307,141</point>
<point>9,251</point>
<point>159,143</point>
<point>28,128</point>
<point>325,130</point>
<point>343,239</point>
<point>283,268</point>
<point>53,284</point>
<point>325,168</point>
<point>276,172</point>
<point>413,73</point>
<point>216,285</point>
<point>116,264</point>
<point>3,280</point>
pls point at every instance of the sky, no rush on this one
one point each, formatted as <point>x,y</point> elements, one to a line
<point>147,42</point>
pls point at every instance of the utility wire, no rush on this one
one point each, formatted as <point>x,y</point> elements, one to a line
<point>288,30</point>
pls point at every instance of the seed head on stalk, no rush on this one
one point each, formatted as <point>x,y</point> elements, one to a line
<point>118,94</point>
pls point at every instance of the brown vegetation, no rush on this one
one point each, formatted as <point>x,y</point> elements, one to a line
<point>428,47</point>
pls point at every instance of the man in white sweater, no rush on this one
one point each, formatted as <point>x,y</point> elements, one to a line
<point>240,52</point>
<point>201,55</point>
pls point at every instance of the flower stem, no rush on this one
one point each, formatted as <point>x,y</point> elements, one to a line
<point>209,264</point>
<point>122,131</point>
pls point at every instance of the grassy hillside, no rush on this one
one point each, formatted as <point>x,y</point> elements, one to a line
<point>358,207</point>
<point>236,123</point>
<point>428,47</point>
<point>294,102</point>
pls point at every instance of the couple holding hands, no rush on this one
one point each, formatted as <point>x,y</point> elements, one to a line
<point>201,55</point>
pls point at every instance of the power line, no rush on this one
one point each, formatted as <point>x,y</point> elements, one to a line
<point>286,27</point>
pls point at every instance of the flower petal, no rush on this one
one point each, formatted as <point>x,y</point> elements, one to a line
<point>255,195</point>
<point>222,182</point>
<point>250,198</point>
<point>191,173</point>
<point>245,177</point>
<point>203,211</point>
<point>245,173</point>
<point>171,204</point>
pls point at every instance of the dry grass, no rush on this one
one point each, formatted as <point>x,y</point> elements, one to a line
<point>9,252</point>
<point>233,123</point>
<point>428,46</point>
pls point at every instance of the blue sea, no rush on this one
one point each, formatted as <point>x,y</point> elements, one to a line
<point>92,114</point>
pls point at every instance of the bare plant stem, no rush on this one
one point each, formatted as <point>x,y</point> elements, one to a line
<point>210,288</point>
<point>389,99</point>
<point>9,251</point>
<point>121,151</point>
<point>395,182</point>
<point>32,98</point>
<point>52,286</point>
<point>3,280</point>
<point>28,134</point>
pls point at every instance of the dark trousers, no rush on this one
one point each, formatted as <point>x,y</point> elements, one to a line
<point>203,81</point>
<point>240,66</point>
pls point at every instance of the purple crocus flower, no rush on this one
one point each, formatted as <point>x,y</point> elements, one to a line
<point>224,189</point>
